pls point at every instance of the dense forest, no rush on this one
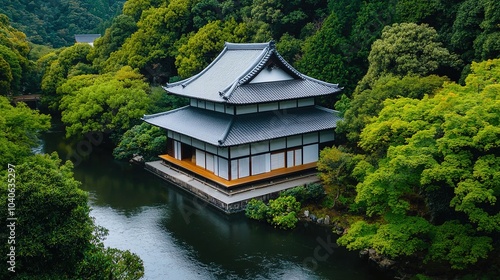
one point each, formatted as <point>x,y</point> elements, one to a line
<point>417,154</point>
<point>54,22</point>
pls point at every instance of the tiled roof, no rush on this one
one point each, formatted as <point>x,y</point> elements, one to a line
<point>228,78</point>
<point>227,130</point>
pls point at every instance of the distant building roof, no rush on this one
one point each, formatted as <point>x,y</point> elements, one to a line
<point>250,73</point>
<point>224,130</point>
<point>86,38</point>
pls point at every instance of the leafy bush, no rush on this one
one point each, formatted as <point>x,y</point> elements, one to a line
<point>281,212</point>
<point>256,209</point>
<point>309,193</point>
<point>144,139</point>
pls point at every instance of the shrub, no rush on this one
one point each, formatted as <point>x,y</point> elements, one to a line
<point>281,212</point>
<point>256,209</point>
<point>309,193</point>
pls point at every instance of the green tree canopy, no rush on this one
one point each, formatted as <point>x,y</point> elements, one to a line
<point>112,102</point>
<point>55,236</point>
<point>19,128</point>
<point>366,105</point>
<point>142,139</point>
<point>123,26</point>
<point>441,149</point>
<point>61,66</point>
<point>407,49</point>
<point>152,47</point>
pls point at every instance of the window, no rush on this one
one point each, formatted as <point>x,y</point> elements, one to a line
<point>261,164</point>
<point>310,153</point>
<point>293,157</point>
<point>240,168</point>
<point>200,158</point>
<point>177,150</point>
<point>277,160</point>
<point>209,158</point>
<point>223,168</point>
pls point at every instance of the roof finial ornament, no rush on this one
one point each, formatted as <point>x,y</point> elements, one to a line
<point>272,44</point>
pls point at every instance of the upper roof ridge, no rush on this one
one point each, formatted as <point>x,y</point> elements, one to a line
<point>263,57</point>
<point>238,64</point>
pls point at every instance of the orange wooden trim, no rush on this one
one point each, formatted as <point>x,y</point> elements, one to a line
<point>187,164</point>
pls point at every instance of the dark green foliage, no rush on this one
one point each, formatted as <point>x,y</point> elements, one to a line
<point>257,210</point>
<point>367,104</point>
<point>56,22</point>
<point>162,101</point>
<point>55,236</point>
<point>280,212</point>
<point>121,28</point>
<point>143,139</point>
<point>310,193</point>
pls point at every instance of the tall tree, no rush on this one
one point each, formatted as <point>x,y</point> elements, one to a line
<point>443,150</point>
<point>407,49</point>
<point>112,102</point>
<point>70,61</point>
<point>19,128</point>
<point>55,235</point>
<point>151,48</point>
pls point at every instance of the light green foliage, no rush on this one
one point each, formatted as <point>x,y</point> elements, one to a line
<point>144,139</point>
<point>257,210</point>
<point>134,8</point>
<point>53,211</point>
<point>12,72</point>
<point>153,43</point>
<point>459,244</point>
<point>55,236</point>
<point>19,127</point>
<point>14,64</point>
<point>113,102</point>
<point>280,212</point>
<point>283,212</point>
<point>367,104</point>
<point>359,236</point>
<point>406,49</point>
<point>202,47</point>
<point>70,61</point>
<point>448,141</point>
<point>399,236</point>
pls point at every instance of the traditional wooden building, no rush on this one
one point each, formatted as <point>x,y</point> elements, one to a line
<point>251,117</point>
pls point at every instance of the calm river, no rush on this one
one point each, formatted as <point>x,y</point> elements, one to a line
<point>179,237</point>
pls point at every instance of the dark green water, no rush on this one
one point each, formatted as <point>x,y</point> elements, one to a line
<point>179,237</point>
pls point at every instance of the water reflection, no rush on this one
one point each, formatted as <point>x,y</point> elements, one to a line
<point>179,237</point>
